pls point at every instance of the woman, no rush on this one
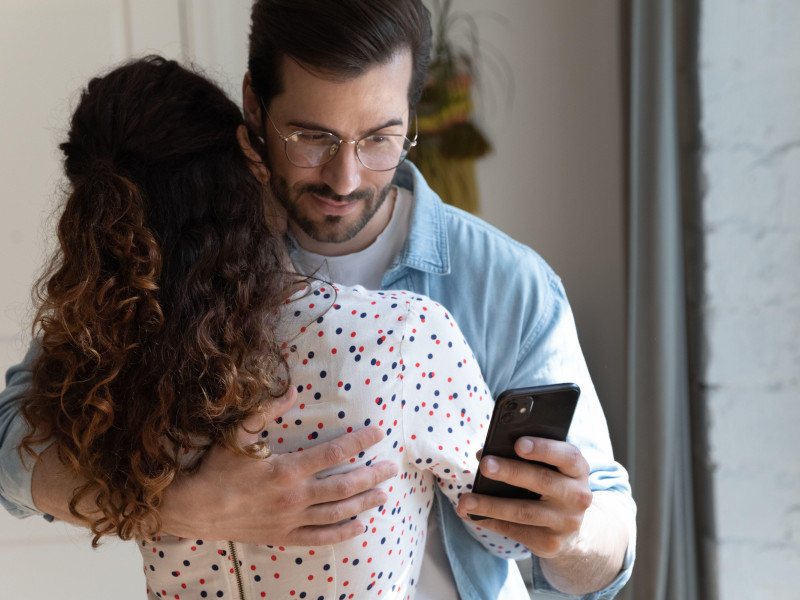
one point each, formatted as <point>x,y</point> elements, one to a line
<point>167,320</point>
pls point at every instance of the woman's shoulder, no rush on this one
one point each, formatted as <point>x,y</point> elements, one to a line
<point>354,310</point>
<point>355,298</point>
<point>408,305</point>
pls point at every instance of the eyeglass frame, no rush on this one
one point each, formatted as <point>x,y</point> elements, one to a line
<point>285,139</point>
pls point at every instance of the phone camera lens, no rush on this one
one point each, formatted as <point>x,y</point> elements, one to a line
<point>507,417</point>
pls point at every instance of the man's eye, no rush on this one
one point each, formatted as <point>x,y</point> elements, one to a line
<point>377,140</point>
<point>314,137</point>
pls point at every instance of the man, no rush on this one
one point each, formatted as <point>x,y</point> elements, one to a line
<point>330,91</point>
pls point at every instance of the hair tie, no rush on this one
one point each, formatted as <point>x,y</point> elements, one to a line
<point>101,165</point>
<point>100,169</point>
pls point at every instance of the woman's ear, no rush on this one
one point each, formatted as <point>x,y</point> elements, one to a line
<point>256,162</point>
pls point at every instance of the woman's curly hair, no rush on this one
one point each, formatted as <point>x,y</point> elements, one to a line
<point>157,312</point>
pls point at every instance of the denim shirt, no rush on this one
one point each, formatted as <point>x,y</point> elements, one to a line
<point>514,313</point>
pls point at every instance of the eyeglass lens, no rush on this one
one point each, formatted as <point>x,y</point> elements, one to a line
<point>376,152</point>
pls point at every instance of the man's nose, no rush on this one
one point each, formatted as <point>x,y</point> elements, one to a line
<point>343,172</point>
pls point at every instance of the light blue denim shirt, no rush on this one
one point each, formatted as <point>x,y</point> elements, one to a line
<point>513,311</point>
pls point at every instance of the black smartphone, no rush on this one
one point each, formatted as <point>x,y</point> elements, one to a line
<point>542,411</point>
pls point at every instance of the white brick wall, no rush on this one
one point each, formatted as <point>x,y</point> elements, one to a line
<point>750,104</point>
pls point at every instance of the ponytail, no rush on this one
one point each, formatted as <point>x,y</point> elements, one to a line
<point>98,302</point>
<point>104,276</point>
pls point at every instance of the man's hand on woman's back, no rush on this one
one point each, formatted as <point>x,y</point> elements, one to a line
<point>278,500</point>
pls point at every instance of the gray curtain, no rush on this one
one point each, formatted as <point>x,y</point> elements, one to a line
<point>659,425</point>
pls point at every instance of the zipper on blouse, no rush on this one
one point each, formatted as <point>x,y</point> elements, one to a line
<point>237,571</point>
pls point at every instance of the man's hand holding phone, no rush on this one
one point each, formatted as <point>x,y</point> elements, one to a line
<point>533,486</point>
<point>548,526</point>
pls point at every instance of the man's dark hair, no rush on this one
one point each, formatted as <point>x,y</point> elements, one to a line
<point>340,39</point>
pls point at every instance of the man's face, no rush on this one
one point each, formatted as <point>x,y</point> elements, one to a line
<point>341,199</point>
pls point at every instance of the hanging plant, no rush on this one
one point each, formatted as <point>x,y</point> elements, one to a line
<point>449,140</point>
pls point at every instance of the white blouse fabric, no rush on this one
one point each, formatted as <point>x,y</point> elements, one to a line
<point>393,359</point>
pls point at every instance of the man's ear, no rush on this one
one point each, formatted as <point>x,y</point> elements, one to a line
<point>256,162</point>
<point>251,105</point>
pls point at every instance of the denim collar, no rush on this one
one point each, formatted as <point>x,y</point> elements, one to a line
<point>426,248</point>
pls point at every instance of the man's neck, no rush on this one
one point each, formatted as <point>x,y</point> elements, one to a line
<point>363,239</point>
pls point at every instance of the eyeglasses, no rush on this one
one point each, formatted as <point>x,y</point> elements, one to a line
<point>377,152</point>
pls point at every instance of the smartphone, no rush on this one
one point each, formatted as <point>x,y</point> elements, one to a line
<point>542,411</point>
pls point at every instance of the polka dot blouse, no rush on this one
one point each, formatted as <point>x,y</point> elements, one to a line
<point>393,359</point>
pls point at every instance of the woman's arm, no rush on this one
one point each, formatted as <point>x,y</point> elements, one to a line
<point>447,411</point>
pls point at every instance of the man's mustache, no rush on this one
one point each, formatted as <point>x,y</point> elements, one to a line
<point>325,191</point>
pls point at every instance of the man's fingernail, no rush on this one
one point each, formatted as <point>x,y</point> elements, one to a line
<point>468,502</point>
<point>525,445</point>
<point>492,466</point>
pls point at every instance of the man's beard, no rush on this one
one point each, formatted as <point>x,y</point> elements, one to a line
<point>330,229</point>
